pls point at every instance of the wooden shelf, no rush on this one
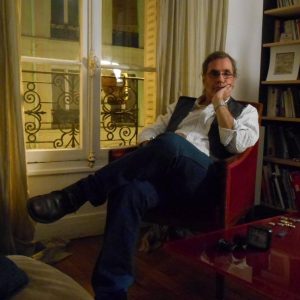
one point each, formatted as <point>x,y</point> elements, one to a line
<point>280,132</point>
<point>281,82</point>
<point>285,43</point>
<point>281,161</point>
<point>293,10</point>
<point>281,119</point>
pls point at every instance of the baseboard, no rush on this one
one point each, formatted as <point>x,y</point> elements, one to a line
<point>72,226</point>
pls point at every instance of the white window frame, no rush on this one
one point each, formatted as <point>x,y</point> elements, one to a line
<point>89,156</point>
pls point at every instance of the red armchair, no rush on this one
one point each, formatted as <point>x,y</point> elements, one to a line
<point>233,199</point>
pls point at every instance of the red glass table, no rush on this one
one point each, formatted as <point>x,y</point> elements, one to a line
<point>273,273</point>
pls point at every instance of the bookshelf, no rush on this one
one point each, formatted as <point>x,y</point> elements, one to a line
<point>281,100</point>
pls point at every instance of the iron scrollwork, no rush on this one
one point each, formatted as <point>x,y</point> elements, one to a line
<point>32,97</point>
<point>54,122</point>
<point>119,109</point>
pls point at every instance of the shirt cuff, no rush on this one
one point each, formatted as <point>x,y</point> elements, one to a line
<point>226,134</point>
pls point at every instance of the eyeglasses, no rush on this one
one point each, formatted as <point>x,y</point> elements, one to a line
<point>216,74</point>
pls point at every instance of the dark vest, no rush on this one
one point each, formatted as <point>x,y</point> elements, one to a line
<point>185,105</point>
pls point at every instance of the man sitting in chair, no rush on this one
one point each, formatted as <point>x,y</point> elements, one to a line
<point>172,163</point>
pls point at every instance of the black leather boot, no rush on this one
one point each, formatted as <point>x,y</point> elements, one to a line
<point>51,207</point>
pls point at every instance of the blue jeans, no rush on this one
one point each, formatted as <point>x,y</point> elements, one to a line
<point>167,169</point>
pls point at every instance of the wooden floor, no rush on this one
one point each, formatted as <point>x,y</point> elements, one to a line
<point>158,275</point>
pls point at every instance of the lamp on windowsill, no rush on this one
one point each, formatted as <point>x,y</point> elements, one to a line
<point>117,72</point>
<point>119,80</point>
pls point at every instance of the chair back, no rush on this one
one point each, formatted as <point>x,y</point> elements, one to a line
<point>240,180</point>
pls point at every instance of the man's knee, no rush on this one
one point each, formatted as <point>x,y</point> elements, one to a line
<point>170,142</point>
<point>176,145</point>
<point>138,194</point>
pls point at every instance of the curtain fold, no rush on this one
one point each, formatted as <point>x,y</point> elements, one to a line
<point>16,229</point>
<point>188,32</point>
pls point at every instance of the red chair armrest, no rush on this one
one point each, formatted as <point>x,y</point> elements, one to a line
<point>240,173</point>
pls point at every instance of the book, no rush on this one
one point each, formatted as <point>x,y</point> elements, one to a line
<point>280,109</point>
<point>281,148</point>
<point>295,180</point>
<point>289,103</point>
<point>296,99</point>
<point>288,29</point>
<point>289,191</point>
<point>270,143</point>
<point>277,198</point>
<point>274,200</point>
<point>293,142</point>
<point>271,102</point>
<point>298,27</point>
<point>266,188</point>
<point>277,30</point>
<point>280,188</point>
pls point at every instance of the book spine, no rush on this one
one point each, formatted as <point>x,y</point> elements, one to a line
<point>295,180</point>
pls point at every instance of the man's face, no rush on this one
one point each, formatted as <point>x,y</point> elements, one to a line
<point>219,74</point>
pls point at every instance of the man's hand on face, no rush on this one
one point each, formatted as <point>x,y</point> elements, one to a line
<point>222,94</point>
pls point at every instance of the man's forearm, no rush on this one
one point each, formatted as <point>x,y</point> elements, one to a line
<point>224,117</point>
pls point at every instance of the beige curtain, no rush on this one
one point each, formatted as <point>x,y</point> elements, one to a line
<point>188,31</point>
<point>16,230</point>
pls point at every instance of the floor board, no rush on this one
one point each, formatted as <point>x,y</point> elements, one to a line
<point>159,276</point>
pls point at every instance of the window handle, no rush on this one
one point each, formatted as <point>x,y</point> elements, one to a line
<point>94,64</point>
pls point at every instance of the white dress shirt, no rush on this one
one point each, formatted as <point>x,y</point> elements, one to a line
<point>195,127</point>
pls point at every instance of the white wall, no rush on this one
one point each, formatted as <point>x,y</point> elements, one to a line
<point>243,42</point>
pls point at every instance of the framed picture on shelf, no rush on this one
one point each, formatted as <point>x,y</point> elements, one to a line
<point>284,63</point>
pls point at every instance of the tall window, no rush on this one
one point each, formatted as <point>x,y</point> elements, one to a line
<point>128,70</point>
<point>74,103</point>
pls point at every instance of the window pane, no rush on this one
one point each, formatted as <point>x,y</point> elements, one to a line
<point>73,13</point>
<point>125,23</point>
<point>57,11</point>
<point>123,31</point>
<point>128,77</point>
<point>119,107</point>
<point>51,29</point>
<point>51,105</point>
<point>51,72</point>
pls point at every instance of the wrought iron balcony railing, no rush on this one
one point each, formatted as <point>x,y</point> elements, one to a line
<point>52,110</point>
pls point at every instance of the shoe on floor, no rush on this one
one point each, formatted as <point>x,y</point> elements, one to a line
<point>51,207</point>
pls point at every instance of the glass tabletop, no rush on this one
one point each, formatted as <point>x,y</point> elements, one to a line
<point>273,272</point>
